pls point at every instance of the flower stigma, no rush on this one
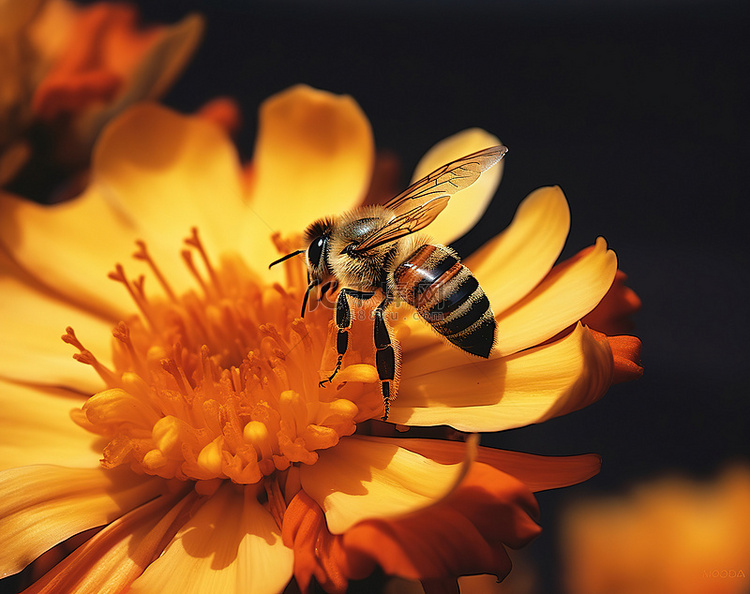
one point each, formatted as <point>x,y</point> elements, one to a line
<point>221,382</point>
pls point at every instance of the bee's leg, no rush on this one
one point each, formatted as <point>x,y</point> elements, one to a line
<point>385,355</point>
<point>343,318</point>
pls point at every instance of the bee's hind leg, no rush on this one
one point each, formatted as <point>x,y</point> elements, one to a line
<point>343,318</point>
<point>385,356</point>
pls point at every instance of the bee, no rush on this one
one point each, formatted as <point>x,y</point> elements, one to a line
<point>371,251</point>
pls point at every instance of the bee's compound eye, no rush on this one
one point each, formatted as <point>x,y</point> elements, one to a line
<point>315,251</point>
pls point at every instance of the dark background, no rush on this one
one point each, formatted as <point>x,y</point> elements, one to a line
<point>636,109</point>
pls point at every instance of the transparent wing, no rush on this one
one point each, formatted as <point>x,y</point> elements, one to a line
<point>419,205</point>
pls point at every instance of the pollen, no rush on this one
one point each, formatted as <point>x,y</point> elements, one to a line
<point>221,382</point>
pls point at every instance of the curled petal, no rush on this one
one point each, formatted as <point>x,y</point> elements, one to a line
<point>317,552</point>
<point>462,534</point>
<point>231,544</point>
<point>41,506</point>
<point>507,392</point>
<point>467,207</point>
<point>538,473</point>
<point>370,477</point>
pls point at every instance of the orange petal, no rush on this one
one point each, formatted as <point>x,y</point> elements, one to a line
<point>231,544</point>
<point>223,112</point>
<point>626,351</point>
<point>147,74</point>
<point>14,16</point>
<point>464,534</point>
<point>370,477</point>
<point>538,473</point>
<point>35,428</point>
<point>569,292</point>
<point>317,552</point>
<point>613,314</point>
<point>105,50</point>
<point>313,154</point>
<point>467,207</point>
<point>41,506</point>
<point>118,554</point>
<point>33,321</point>
<point>504,392</point>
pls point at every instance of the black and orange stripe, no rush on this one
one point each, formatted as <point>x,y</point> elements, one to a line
<point>447,295</point>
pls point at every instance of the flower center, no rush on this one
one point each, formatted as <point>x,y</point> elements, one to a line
<point>221,382</point>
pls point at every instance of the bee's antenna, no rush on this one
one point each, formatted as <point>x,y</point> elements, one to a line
<point>310,287</point>
<point>280,260</point>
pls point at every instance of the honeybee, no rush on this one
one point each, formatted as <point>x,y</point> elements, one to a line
<point>371,251</point>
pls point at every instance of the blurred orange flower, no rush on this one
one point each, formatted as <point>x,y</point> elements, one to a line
<point>200,439</point>
<point>68,69</point>
<point>673,536</point>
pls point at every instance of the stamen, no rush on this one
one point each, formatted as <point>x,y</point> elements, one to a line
<point>220,383</point>
<point>194,241</point>
<point>136,294</point>
<point>142,254</point>
<point>187,256</point>
<point>87,357</point>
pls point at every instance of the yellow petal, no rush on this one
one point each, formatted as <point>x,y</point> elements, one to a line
<point>167,173</point>
<point>155,175</point>
<point>30,345</point>
<point>467,207</point>
<point>313,157</point>
<point>563,298</point>
<point>71,247</point>
<point>41,506</point>
<point>370,477</point>
<point>508,392</point>
<point>513,263</point>
<point>35,428</point>
<point>114,557</point>
<point>231,544</point>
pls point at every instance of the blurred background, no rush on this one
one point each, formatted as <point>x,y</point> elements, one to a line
<point>638,110</point>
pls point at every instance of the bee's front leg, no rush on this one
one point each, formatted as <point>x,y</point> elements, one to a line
<point>343,318</point>
<point>386,361</point>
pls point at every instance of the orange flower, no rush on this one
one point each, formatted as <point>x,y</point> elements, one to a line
<point>68,69</point>
<point>669,536</point>
<point>200,439</point>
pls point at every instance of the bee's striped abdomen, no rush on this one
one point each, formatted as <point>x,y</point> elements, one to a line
<point>447,295</point>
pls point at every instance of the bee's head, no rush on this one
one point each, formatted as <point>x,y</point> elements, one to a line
<point>318,236</point>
